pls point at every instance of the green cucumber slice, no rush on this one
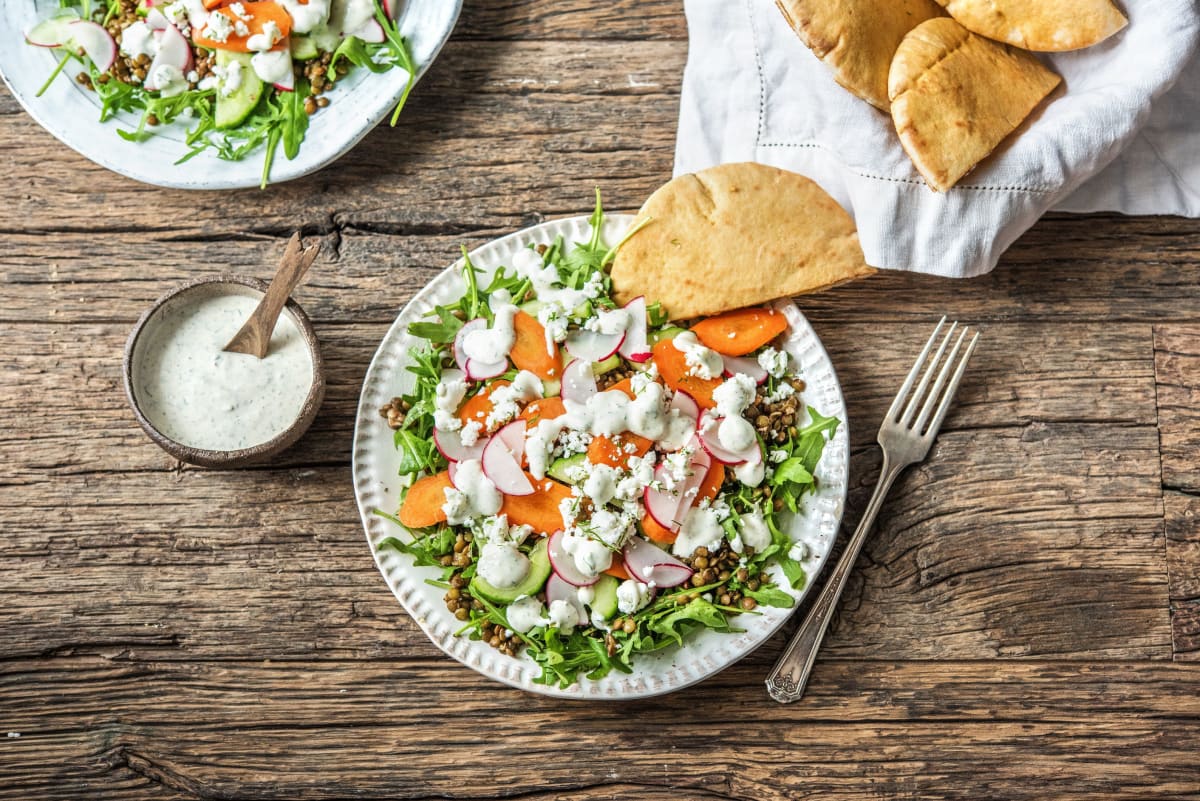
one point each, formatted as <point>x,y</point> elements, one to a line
<point>233,109</point>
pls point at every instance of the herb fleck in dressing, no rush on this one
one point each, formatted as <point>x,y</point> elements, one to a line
<point>200,396</point>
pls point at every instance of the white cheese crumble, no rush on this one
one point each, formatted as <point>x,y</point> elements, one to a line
<point>775,362</point>
<point>218,27</point>
<point>632,595</point>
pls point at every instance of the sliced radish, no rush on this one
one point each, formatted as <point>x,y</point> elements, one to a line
<point>750,367</point>
<point>513,435</point>
<point>371,31</point>
<point>661,504</point>
<point>96,42</point>
<point>391,7</point>
<point>636,346</point>
<point>503,468</point>
<point>288,84</point>
<point>482,371</point>
<point>593,346</point>
<point>453,471</point>
<point>648,564</point>
<point>708,431</point>
<point>450,445</point>
<point>578,382</point>
<point>564,565</point>
<point>156,20</point>
<point>173,51</point>
<point>460,356</point>
<point>51,32</point>
<point>670,507</point>
<point>686,404</point>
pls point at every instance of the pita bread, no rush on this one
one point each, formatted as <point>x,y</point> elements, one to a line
<point>1045,25</point>
<point>857,38</point>
<point>956,96</point>
<point>733,236</point>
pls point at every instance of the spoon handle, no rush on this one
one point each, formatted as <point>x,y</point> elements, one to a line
<point>254,337</point>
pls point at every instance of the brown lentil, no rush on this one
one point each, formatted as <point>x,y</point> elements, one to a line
<point>749,603</point>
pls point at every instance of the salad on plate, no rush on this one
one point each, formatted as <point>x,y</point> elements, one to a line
<point>593,481</point>
<point>241,77</point>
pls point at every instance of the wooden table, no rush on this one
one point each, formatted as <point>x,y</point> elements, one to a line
<point>1025,622</point>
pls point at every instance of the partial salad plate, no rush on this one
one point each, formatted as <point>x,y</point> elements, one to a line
<point>578,498</point>
<point>217,94</point>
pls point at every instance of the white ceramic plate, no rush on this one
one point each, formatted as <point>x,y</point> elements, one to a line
<point>377,486</point>
<point>72,113</point>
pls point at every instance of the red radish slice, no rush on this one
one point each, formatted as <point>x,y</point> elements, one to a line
<point>450,445</point>
<point>564,565</point>
<point>157,21</point>
<point>636,346</point>
<point>578,381</point>
<point>50,32</point>
<point>661,504</point>
<point>288,84</point>
<point>593,346</point>
<point>453,471</point>
<point>371,32</point>
<point>391,8</point>
<point>648,564</point>
<point>460,356</point>
<point>504,469</point>
<point>96,42</point>
<point>708,430</point>
<point>750,367</point>
<point>686,404</point>
<point>482,371</point>
<point>669,507</point>
<point>173,50</point>
<point>513,435</point>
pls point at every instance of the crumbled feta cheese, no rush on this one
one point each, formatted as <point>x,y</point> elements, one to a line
<point>777,456</point>
<point>633,595</point>
<point>218,28</point>
<point>798,551</point>
<point>470,432</point>
<point>168,80</point>
<point>734,395</point>
<point>775,362</point>
<point>447,396</point>
<point>601,484</point>
<point>239,11</point>
<point>783,390</point>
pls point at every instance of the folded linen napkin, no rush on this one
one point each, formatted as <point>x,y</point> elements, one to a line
<point>1124,134</point>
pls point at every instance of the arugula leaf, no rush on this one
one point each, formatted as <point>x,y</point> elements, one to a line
<point>440,333</point>
<point>416,453</point>
<point>699,611</point>
<point>771,596</point>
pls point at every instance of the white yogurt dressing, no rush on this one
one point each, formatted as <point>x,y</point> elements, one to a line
<point>200,396</point>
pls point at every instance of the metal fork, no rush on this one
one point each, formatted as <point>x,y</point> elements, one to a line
<point>905,441</point>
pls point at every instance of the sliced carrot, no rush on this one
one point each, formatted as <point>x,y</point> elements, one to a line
<point>257,15</point>
<point>543,409</point>
<point>656,532</point>
<point>673,367</point>
<point>540,509</point>
<point>529,351</point>
<point>617,570</point>
<point>738,332</point>
<point>711,485</point>
<point>211,4</point>
<point>611,450</point>
<point>479,405</point>
<point>424,500</point>
<point>624,385</point>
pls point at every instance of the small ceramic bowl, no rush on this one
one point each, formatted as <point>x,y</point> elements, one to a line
<point>195,292</point>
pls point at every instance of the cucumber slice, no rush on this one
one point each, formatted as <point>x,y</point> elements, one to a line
<point>606,366</point>
<point>532,307</point>
<point>539,571</point>
<point>666,333</point>
<point>568,469</point>
<point>303,48</point>
<point>52,32</point>
<point>604,602</point>
<point>233,109</point>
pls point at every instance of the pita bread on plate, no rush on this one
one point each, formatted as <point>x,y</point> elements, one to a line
<point>857,38</point>
<point>956,96</point>
<point>1045,25</point>
<point>736,235</point>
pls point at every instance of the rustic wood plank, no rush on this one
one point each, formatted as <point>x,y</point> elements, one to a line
<point>1183,566</point>
<point>1177,367</point>
<point>402,730</point>
<point>572,19</point>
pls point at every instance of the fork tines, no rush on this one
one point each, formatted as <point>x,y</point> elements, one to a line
<point>926,401</point>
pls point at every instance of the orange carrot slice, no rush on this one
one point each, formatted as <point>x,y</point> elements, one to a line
<point>424,500</point>
<point>624,385</point>
<point>673,368</point>
<point>656,532</point>
<point>257,15</point>
<point>543,409</point>
<point>540,509</point>
<point>611,450</point>
<point>617,570</point>
<point>479,405</point>
<point>529,351</point>
<point>211,4</point>
<point>742,331</point>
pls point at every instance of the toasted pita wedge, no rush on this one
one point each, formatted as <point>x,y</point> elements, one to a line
<point>956,95</point>
<point>733,236</point>
<point>1044,25</point>
<point>857,38</point>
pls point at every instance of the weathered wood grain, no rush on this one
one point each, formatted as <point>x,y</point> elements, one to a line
<point>1183,565</point>
<point>572,19</point>
<point>403,730</point>
<point>1177,370</point>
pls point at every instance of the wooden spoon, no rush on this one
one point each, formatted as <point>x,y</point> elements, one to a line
<point>255,336</point>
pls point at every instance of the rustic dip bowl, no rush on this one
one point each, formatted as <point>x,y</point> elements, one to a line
<point>197,291</point>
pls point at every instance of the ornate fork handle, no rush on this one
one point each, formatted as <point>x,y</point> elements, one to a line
<point>787,679</point>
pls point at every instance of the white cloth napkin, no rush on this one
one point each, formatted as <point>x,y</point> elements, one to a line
<point>753,92</point>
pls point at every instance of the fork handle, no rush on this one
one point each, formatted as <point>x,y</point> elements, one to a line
<point>787,680</point>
